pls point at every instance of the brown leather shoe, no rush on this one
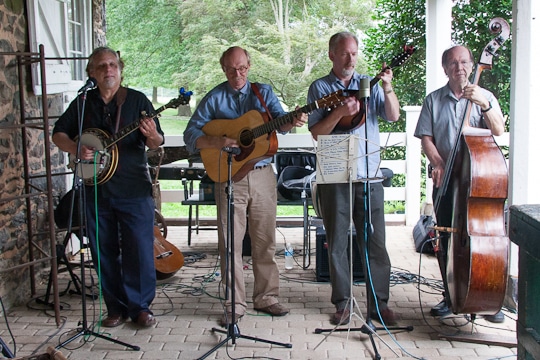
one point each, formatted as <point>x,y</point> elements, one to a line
<point>113,321</point>
<point>341,317</point>
<point>145,319</point>
<point>387,315</point>
<point>275,310</point>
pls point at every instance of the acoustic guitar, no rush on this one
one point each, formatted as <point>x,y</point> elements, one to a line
<point>256,137</point>
<point>352,122</point>
<point>103,167</point>
<point>167,258</point>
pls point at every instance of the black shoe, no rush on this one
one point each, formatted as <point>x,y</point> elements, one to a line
<point>441,309</point>
<point>497,318</point>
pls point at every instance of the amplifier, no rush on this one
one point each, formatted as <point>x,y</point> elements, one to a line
<point>322,265</point>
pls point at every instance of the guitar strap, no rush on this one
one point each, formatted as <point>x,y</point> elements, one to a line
<point>120,99</point>
<point>255,89</point>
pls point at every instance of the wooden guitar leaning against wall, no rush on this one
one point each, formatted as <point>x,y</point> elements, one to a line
<point>167,258</point>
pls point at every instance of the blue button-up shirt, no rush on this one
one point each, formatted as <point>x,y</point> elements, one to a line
<point>330,83</point>
<point>224,102</point>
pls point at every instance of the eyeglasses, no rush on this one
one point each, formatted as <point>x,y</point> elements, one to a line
<point>231,70</point>
<point>455,64</point>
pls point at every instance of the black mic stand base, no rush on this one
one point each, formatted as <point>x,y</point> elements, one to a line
<point>233,333</point>
<point>84,331</point>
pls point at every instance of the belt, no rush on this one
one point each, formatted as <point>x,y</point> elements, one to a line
<point>261,166</point>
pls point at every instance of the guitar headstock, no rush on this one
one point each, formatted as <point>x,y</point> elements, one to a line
<point>398,60</point>
<point>182,99</point>
<point>332,100</point>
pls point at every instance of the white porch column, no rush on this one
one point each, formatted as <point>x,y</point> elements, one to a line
<point>524,125</point>
<point>438,39</point>
<point>413,154</point>
<point>525,91</point>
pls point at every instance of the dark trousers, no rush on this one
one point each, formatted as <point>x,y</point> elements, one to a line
<point>335,200</point>
<point>443,217</point>
<point>125,262</point>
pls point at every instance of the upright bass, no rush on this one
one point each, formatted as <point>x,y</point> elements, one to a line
<point>476,176</point>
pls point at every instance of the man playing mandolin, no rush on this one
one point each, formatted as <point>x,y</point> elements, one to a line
<point>335,198</point>
<point>255,195</point>
<point>438,127</point>
<point>125,207</point>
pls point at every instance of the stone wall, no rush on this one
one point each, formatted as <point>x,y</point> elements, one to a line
<point>15,287</point>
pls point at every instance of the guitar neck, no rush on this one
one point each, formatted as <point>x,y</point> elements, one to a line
<point>122,133</point>
<point>125,131</point>
<point>376,79</point>
<point>277,123</point>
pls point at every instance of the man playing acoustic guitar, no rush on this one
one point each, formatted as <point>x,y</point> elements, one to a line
<point>255,195</point>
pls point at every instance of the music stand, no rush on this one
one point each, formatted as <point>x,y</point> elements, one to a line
<point>78,189</point>
<point>337,163</point>
<point>233,331</point>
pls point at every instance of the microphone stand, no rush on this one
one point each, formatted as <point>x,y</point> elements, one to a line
<point>233,331</point>
<point>367,327</point>
<point>84,330</point>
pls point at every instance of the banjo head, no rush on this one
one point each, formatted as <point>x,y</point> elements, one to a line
<point>102,167</point>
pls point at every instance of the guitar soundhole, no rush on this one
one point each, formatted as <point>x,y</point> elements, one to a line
<point>246,138</point>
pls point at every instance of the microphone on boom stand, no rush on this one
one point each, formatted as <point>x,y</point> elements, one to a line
<point>364,91</point>
<point>90,84</point>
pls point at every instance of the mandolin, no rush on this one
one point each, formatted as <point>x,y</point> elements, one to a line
<point>167,258</point>
<point>352,122</point>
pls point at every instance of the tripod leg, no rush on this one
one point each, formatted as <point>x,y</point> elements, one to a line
<point>234,333</point>
<point>5,350</point>
<point>84,332</point>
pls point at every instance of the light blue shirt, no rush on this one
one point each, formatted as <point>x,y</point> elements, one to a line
<point>223,102</point>
<point>330,83</point>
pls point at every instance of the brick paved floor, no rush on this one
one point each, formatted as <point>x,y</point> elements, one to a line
<point>187,307</point>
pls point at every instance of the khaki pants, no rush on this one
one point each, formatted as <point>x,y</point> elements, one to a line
<point>255,200</point>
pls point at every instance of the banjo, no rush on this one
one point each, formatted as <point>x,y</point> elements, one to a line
<point>100,169</point>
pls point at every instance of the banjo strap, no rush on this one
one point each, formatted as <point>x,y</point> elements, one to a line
<point>120,99</point>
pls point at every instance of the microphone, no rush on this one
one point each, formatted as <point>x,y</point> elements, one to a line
<point>363,93</point>
<point>232,150</point>
<point>90,84</point>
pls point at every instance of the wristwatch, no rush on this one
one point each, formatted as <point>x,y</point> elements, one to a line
<point>489,108</point>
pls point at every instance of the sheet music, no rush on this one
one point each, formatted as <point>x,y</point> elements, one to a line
<point>336,158</point>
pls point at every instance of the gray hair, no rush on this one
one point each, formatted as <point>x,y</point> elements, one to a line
<point>100,50</point>
<point>336,38</point>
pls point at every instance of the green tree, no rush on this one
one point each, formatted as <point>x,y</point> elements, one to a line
<point>287,40</point>
<point>147,35</point>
